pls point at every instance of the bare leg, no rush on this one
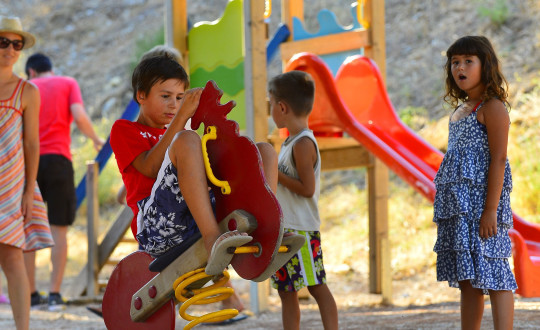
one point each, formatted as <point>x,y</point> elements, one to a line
<point>233,301</point>
<point>290,310</point>
<point>194,188</point>
<point>12,262</point>
<point>58,256</point>
<point>327,305</point>
<point>472,306</point>
<point>270,162</point>
<point>30,262</point>
<point>502,309</point>
<point>186,156</point>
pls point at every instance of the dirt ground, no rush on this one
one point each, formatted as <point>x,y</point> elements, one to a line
<point>418,303</point>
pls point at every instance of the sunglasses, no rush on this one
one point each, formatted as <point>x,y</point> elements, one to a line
<point>17,44</point>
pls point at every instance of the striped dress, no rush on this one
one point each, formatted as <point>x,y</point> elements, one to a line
<point>34,234</point>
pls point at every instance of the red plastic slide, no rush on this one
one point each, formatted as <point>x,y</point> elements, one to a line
<point>356,102</point>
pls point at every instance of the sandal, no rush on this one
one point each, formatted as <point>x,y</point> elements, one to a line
<point>241,316</point>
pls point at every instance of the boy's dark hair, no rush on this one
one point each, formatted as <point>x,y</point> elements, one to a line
<point>162,50</point>
<point>491,75</point>
<point>154,70</point>
<point>39,63</point>
<point>296,88</point>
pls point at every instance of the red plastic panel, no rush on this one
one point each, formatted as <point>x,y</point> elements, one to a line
<point>365,134</point>
<point>236,159</point>
<point>128,277</point>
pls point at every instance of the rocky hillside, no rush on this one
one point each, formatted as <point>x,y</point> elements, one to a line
<point>95,41</point>
<point>419,32</point>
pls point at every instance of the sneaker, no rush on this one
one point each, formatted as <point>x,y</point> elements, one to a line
<point>56,303</point>
<point>37,299</point>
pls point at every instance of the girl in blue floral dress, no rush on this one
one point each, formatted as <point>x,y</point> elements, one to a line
<point>472,203</point>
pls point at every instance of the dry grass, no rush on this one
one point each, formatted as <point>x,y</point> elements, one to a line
<point>345,229</point>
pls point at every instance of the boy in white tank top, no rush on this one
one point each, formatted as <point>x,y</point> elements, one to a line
<point>291,100</point>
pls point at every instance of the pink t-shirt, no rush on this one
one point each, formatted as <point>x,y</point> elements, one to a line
<point>128,140</point>
<point>58,93</point>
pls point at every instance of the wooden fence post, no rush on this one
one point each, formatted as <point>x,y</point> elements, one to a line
<point>92,172</point>
<point>380,270</point>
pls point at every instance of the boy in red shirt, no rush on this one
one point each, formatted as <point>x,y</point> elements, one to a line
<point>162,164</point>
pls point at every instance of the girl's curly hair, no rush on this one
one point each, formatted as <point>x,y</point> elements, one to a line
<point>492,77</point>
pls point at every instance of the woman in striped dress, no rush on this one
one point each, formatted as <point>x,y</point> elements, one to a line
<point>19,156</point>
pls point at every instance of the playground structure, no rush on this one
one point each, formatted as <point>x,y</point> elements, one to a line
<point>336,153</point>
<point>376,137</point>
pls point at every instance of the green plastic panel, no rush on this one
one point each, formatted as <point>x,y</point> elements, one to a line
<point>216,52</point>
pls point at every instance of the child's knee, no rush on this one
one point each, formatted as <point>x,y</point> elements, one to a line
<point>9,257</point>
<point>319,289</point>
<point>288,295</point>
<point>185,141</point>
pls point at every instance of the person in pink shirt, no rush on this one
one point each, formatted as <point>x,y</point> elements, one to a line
<point>61,104</point>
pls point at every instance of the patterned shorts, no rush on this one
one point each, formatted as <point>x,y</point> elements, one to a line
<point>166,218</point>
<point>305,268</point>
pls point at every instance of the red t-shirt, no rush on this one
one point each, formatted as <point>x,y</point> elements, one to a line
<point>57,93</point>
<point>128,140</point>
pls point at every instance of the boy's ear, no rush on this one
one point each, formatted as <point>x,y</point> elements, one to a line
<point>140,96</point>
<point>283,106</point>
<point>31,73</point>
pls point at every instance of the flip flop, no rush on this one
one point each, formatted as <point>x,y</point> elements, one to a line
<point>219,257</point>
<point>241,316</point>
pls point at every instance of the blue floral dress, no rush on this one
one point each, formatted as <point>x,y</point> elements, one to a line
<point>461,184</point>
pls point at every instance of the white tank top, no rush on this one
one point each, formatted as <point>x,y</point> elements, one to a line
<point>299,213</point>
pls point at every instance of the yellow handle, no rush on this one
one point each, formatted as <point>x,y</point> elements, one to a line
<point>360,13</point>
<point>212,135</point>
<point>255,249</point>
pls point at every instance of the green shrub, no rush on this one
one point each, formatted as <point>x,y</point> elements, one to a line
<point>414,117</point>
<point>496,10</point>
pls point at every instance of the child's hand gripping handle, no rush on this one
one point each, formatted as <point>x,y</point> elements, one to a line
<point>212,135</point>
